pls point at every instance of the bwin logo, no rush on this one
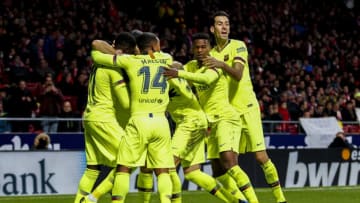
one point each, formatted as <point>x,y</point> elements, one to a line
<point>315,174</point>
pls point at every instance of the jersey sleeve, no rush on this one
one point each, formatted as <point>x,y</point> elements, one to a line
<point>120,90</point>
<point>241,53</point>
<point>106,59</point>
<point>206,77</point>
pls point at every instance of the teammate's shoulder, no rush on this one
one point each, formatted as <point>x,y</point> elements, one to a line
<point>191,66</point>
<point>237,42</point>
<point>164,54</point>
<point>123,57</point>
<point>191,63</point>
<point>127,55</point>
<point>239,45</point>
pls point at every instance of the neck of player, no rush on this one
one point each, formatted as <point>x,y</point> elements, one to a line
<point>221,43</point>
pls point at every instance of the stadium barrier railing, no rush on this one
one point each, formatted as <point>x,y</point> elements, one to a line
<point>269,126</point>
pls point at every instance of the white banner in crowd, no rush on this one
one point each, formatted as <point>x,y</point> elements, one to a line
<point>357,111</point>
<point>320,131</point>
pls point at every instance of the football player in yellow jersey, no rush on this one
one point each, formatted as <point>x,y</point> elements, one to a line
<point>231,56</point>
<point>107,94</point>
<point>188,143</point>
<point>212,90</point>
<point>147,132</point>
<point>188,140</point>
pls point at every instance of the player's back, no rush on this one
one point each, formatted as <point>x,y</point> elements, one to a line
<point>213,97</point>
<point>100,104</point>
<point>148,87</point>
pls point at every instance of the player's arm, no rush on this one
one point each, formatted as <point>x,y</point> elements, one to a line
<point>206,77</point>
<point>235,71</point>
<point>240,54</point>
<point>121,93</point>
<point>107,59</point>
<point>102,46</point>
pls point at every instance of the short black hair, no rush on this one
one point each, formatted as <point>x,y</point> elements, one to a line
<point>126,42</point>
<point>136,33</point>
<point>200,35</point>
<point>145,40</point>
<point>219,13</point>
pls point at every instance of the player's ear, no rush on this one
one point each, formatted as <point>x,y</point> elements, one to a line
<point>137,50</point>
<point>212,29</point>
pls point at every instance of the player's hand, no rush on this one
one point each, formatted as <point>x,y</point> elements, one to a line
<point>177,65</point>
<point>211,62</point>
<point>172,93</point>
<point>171,73</point>
<point>118,52</point>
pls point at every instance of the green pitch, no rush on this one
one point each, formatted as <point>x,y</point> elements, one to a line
<point>309,195</point>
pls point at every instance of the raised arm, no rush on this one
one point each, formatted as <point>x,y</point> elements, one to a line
<point>109,60</point>
<point>102,46</point>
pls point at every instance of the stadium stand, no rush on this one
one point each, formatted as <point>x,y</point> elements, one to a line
<point>304,55</point>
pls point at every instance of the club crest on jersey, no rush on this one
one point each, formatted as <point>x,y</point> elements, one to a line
<point>241,49</point>
<point>226,57</point>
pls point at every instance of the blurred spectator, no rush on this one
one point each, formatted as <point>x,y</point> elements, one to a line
<point>340,141</point>
<point>285,115</point>
<point>51,100</point>
<point>4,125</point>
<point>295,47</point>
<point>69,125</point>
<point>348,112</point>
<point>273,115</point>
<point>81,88</point>
<point>43,69</point>
<point>319,111</point>
<point>41,142</point>
<point>18,70</point>
<point>357,99</point>
<point>329,111</point>
<point>4,97</point>
<point>66,84</point>
<point>21,105</point>
<point>337,111</point>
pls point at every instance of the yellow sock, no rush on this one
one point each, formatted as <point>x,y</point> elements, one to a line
<point>230,185</point>
<point>145,186</point>
<point>176,186</point>
<point>209,184</point>
<point>86,183</point>
<point>164,187</point>
<point>105,185</point>
<point>243,182</point>
<point>272,178</point>
<point>121,187</point>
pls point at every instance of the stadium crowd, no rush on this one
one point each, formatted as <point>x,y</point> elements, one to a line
<point>303,55</point>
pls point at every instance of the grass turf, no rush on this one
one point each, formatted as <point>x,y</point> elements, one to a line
<point>298,195</point>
